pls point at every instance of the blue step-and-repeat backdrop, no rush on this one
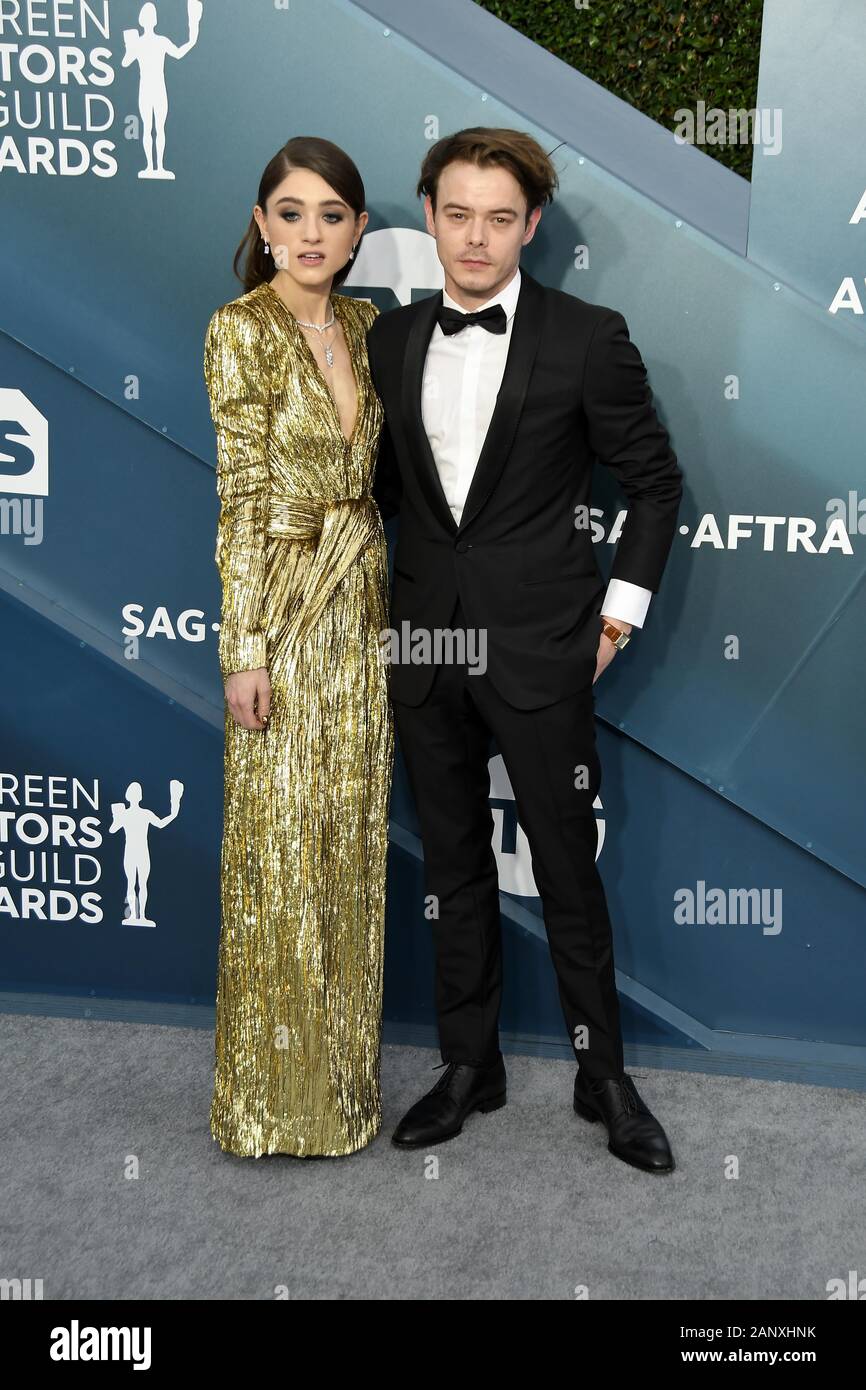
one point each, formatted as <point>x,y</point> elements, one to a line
<point>731,816</point>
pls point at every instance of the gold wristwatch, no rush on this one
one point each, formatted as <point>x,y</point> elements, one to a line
<point>616,635</point>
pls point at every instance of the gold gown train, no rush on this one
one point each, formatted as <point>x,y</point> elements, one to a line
<point>302,559</point>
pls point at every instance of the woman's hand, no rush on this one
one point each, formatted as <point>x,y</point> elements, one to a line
<point>249,697</point>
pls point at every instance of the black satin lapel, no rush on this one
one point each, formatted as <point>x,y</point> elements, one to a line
<point>423,323</point>
<point>522,349</point>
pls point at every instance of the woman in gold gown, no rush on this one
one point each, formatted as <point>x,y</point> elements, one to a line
<point>308,734</point>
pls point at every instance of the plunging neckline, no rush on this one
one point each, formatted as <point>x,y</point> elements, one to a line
<point>338,313</point>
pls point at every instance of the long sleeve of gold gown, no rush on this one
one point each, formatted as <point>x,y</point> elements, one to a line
<point>236,373</point>
<point>301,555</point>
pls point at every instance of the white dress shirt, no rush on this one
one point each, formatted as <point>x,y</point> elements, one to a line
<point>462,375</point>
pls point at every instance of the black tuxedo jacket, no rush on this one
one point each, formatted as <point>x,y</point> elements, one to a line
<point>574,388</point>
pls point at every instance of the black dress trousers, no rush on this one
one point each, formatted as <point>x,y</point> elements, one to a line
<point>551,758</point>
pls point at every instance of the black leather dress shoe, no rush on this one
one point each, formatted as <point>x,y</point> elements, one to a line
<point>440,1114</point>
<point>634,1133</point>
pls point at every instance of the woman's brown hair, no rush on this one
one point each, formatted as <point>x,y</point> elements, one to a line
<point>301,152</point>
<point>487,146</point>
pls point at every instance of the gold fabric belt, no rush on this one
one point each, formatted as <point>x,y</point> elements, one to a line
<point>343,528</point>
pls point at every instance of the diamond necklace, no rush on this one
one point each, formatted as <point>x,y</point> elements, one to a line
<point>320,328</point>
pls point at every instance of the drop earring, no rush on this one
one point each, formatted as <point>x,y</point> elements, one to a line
<point>267,249</point>
<point>352,254</point>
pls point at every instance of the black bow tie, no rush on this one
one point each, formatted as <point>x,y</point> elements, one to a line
<point>451,320</point>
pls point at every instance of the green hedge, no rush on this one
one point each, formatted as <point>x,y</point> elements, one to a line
<point>658,56</point>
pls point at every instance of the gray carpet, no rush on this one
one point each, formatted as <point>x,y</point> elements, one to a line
<point>528,1203</point>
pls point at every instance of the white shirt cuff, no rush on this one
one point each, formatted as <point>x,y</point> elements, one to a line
<point>626,601</point>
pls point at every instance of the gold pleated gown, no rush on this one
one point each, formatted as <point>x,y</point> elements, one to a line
<point>302,559</point>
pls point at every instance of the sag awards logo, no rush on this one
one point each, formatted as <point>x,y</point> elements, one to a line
<point>60,63</point>
<point>23,466</point>
<point>400,259</point>
<point>510,845</point>
<point>52,846</point>
<point>136,822</point>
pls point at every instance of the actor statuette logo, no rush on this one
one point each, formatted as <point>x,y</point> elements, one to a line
<point>52,842</point>
<point>59,110</point>
<point>136,822</point>
<point>149,50</point>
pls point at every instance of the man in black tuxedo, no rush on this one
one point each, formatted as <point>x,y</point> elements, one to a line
<point>499,394</point>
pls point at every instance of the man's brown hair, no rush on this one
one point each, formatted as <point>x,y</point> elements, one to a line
<point>487,146</point>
